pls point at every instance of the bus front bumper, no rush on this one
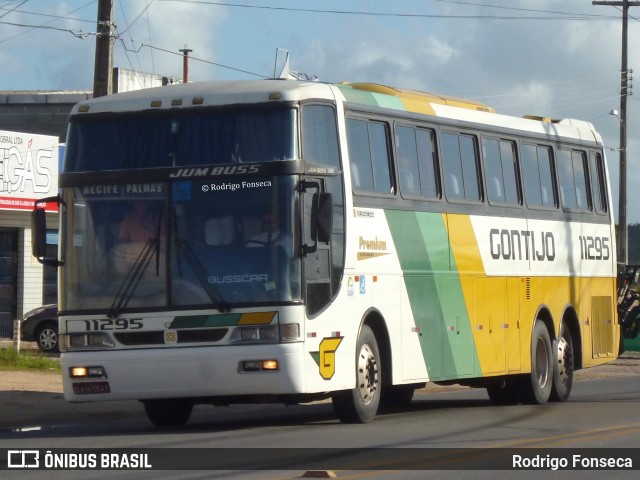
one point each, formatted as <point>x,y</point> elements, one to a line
<point>183,372</point>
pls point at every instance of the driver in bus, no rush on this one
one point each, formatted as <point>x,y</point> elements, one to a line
<point>271,234</point>
<point>138,225</point>
<point>138,228</point>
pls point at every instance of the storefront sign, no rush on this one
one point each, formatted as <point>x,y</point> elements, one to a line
<point>28,169</point>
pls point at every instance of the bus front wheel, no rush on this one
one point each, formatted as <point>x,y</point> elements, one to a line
<point>360,404</point>
<point>168,412</point>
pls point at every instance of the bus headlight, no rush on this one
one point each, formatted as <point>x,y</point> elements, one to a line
<point>255,334</point>
<point>90,340</point>
<point>266,333</point>
<point>250,334</point>
<point>290,332</point>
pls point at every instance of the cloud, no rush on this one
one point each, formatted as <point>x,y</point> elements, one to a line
<point>558,68</point>
<point>171,26</point>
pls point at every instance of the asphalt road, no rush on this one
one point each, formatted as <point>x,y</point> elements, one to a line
<point>602,414</point>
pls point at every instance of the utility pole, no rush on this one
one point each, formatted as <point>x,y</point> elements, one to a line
<point>185,63</point>
<point>623,237</point>
<point>102,76</point>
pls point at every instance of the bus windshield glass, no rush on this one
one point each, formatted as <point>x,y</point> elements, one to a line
<point>195,243</point>
<point>180,138</point>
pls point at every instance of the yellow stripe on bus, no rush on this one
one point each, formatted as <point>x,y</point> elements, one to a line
<point>257,318</point>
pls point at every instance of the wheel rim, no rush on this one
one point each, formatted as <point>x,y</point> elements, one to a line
<point>565,360</point>
<point>367,374</point>
<point>542,363</point>
<point>48,338</point>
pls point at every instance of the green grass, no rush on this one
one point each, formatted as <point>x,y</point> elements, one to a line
<point>11,359</point>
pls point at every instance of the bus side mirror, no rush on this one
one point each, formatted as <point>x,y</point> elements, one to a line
<point>324,217</point>
<point>39,232</point>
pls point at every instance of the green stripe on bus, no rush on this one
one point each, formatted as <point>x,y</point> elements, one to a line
<point>371,98</point>
<point>435,293</point>
<point>388,101</point>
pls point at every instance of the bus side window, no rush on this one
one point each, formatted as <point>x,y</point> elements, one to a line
<point>510,172</point>
<point>379,141</point>
<point>596,174</point>
<point>407,155</point>
<point>567,182</point>
<point>360,155</point>
<point>319,135</point>
<point>537,173</point>
<point>369,154</point>
<point>545,165</point>
<point>460,163</point>
<point>451,165</point>
<point>428,162</point>
<point>501,171</point>
<point>493,170</point>
<point>417,161</point>
<point>580,169</point>
<point>572,170</point>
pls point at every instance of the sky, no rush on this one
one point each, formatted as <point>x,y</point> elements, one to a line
<point>555,58</point>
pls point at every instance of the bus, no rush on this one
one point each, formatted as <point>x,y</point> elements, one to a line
<point>292,241</point>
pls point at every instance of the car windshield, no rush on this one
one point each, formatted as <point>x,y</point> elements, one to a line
<point>187,243</point>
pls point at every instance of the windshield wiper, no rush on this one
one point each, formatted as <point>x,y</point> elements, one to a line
<point>196,266</point>
<point>134,275</point>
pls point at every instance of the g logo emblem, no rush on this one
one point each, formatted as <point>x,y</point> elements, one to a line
<point>327,364</point>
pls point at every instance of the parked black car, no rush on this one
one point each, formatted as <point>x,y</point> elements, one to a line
<point>40,325</point>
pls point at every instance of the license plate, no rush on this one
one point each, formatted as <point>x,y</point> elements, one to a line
<point>91,387</point>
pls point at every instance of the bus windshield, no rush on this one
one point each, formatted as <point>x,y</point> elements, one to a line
<point>180,138</point>
<point>205,242</point>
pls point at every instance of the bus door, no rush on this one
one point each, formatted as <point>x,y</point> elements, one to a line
<point>316,246</point>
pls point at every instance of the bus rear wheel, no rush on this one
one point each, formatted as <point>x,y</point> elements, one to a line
<point>536,387</point>
<point>168,412</point>
<point>360,404</point>
<point>563,367</point>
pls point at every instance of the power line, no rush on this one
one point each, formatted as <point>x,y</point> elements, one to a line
<point>519,9</point>
<point>153,66</point>
<point>144,10</point>
<point>565,16</point>
<point>600,81</point>
<point>143,45</point>
<point>127,30</point>
<point>9,10</point>
<point>47,15</point>
<point>45,25</point>
<point>78,34</point>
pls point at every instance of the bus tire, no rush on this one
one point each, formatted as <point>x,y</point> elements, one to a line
<point>563,367</point>
<point>536,387</point>
<point>168,412</point>
<point>360,404</point>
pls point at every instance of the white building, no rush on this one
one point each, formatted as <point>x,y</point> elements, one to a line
<point>29,166</point>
